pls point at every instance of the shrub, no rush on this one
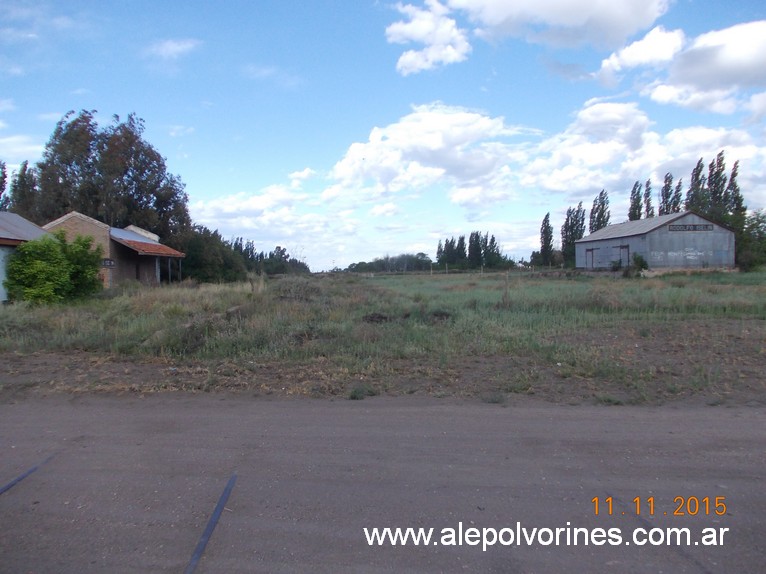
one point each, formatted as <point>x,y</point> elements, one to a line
<point>49,270</point>
<point>85,264</point>
<point>39,272</point>
<point>639,262</point>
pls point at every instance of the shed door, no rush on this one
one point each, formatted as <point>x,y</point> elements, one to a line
<point>625,255</point>
<point>590,258</point>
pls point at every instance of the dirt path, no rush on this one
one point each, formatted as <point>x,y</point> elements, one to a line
<point>134,479</point>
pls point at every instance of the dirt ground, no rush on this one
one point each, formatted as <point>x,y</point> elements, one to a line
<point>127,484</point>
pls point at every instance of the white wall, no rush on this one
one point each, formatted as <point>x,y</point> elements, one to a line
<point>5,252</point>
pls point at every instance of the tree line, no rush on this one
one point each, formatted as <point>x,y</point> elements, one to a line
<point>114,175</point>
<point>402,263</point>
<point>715,195</point>
<point>481,251</point>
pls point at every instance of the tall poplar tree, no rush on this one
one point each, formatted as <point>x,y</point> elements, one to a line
<point>648,207</point>
<point>572,230</point>
<point>599,214</point>
<point>676,201</point>
<point>666,195</point>
<point>546,240</point>
<point>4,199</point>
<point>717,186</point>
<point>697,198</point>
<point>475,252</point>
<point>636,202</point>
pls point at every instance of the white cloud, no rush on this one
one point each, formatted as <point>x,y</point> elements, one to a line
<point>433,145</point>
<point>444,42</point>
<point>297,178</point>
<point>734,56</point>
<point>583,156</point>
<point>384,210</point>
<point>757,105</point>
<point>271,198</point>
<point>7,105</point>
<point>560,23</point>
<point>50,117</point>
<point>717,71</point>
<point>721,101</point>
<point>659,46</point>
<point>18,148</point>
<point>173,49</point>
<point>272,74</point>
<point>563,22</point>
<point>178,131</point>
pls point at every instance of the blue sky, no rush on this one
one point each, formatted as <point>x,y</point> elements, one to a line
<point>350,129</point>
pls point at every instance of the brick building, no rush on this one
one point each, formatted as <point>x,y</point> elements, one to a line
<point>131,253</point>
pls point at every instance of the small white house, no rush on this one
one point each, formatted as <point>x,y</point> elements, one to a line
<point>14,230</point>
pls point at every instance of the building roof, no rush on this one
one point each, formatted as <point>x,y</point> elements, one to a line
<point>14,229</point>
<point>142,244</point>
<point>631,228</point>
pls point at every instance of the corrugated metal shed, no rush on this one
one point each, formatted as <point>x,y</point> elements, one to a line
<point>678,240</point>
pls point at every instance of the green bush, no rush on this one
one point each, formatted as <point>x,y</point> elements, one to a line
<point>49,270</point>
<point>85,265</point>
<point>639,262</point>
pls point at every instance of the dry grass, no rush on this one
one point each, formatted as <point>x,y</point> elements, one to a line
<point>319,334</point>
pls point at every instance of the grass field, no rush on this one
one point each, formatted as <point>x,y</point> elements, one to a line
<point>565,338</point>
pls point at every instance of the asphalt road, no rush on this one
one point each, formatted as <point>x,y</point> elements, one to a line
<point>133,482</point>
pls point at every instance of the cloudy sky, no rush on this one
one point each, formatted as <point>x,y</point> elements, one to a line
<point>351,129</point>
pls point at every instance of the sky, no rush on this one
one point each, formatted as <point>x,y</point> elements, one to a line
<point>346,130</point>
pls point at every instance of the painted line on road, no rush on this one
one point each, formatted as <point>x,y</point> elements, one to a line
<point>21,477</point>
<point>211,524</point>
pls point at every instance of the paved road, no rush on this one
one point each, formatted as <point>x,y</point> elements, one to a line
<point>133,482</point>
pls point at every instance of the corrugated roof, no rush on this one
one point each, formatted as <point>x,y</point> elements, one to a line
<point>630,228</point>
<point>13,227</point>
<point>149,248</point>
<point>129,235</point>
<point>141,244</point>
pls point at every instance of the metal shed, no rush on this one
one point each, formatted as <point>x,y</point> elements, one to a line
<point>682,240</point>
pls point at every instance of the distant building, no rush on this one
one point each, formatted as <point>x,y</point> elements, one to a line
<point>129,254</point>
<point>14,230</point>
<point>679,240</point>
